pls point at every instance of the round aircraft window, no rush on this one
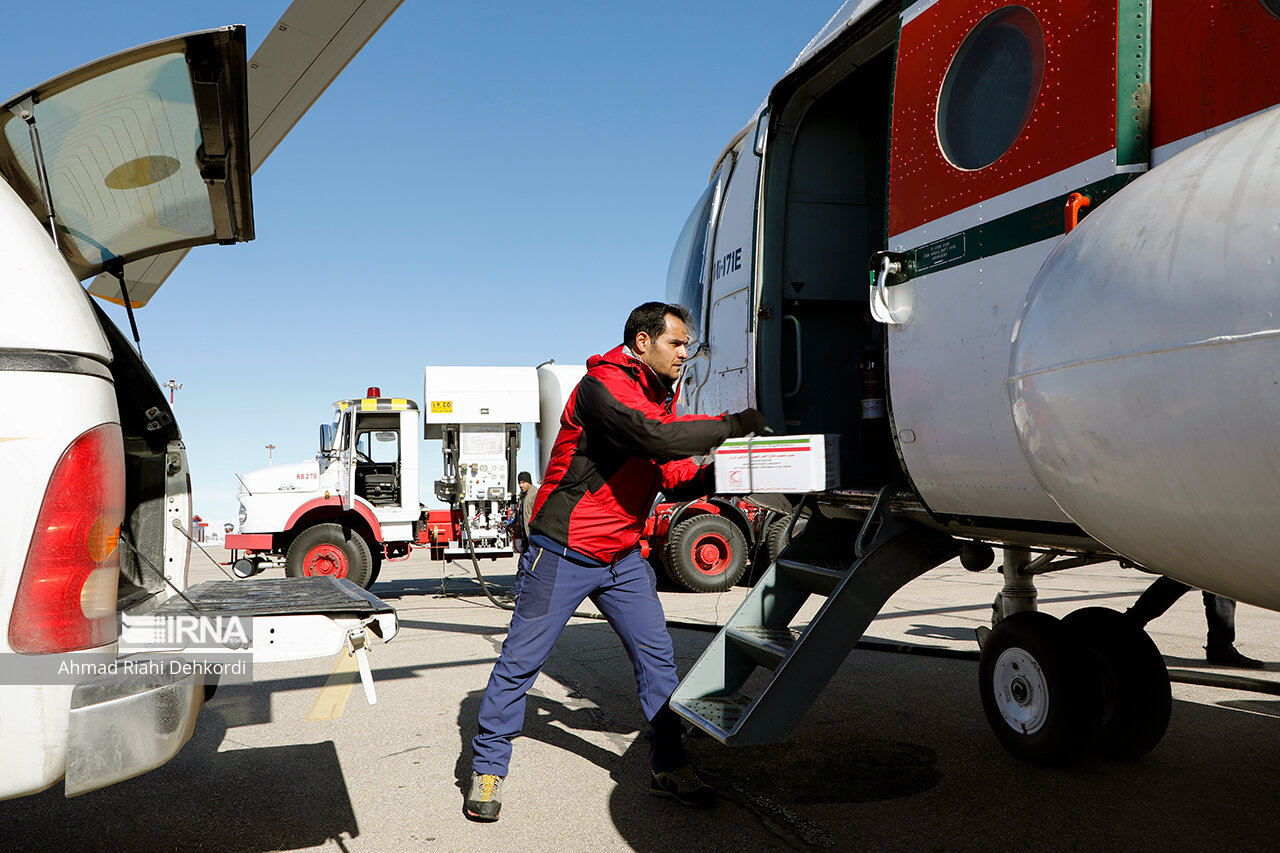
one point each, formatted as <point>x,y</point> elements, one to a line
<point>991,88</point>
<point>1272,6</point>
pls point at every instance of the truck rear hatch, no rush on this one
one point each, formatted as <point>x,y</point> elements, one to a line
<point>138,153</point>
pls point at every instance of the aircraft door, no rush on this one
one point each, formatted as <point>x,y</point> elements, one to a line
<point>999,113</point>
<point>688,277</point>
<point>729,321</point>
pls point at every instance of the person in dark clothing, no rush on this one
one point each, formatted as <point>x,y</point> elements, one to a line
<point>620,443</point>
<point>519,523</point>
<point>1219,612</point>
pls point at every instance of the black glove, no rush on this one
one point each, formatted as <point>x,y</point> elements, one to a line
<point>744,423</point>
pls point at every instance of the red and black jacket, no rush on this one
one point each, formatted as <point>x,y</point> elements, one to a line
<point>620,443</point>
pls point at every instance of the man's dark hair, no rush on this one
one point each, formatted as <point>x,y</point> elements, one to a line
<point>523,477</point>
<point>651,318</point>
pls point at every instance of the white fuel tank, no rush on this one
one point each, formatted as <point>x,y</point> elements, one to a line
<point>555,383</point>
<point>1145,369</point>
<point>477,395</point>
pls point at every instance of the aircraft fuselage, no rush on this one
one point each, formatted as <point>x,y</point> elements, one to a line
<point>1116,386</point>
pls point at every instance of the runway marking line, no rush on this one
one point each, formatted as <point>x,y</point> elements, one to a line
<point>332,698</point>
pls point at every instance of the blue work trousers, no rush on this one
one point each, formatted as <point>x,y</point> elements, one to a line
<point>550,588</point>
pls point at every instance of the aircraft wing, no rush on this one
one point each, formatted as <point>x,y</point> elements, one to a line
<point>305,52</point>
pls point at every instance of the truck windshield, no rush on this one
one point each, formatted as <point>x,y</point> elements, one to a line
<point>378,445</point>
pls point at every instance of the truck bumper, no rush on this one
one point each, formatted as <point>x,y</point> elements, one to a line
<point>122,726</point>
<point>248,541</point>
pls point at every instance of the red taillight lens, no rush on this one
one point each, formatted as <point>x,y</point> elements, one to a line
<point>66,598</point>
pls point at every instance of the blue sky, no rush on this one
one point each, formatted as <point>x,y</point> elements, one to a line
<point>487,183</point>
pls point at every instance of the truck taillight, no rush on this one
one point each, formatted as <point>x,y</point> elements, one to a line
<point>67,595</point>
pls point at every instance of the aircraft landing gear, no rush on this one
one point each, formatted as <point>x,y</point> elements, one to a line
<point>1052,688</point>
<point>1034,686</point>
<point>1019,592</point>
<point>1130,678</point>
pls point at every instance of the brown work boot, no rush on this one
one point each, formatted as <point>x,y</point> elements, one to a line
<point>485,799</point>
<point>683,785</point>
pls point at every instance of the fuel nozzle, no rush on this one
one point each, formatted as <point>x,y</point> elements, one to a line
<point>446,490</point>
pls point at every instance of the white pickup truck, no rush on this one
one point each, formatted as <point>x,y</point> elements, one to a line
<point>141,153</point>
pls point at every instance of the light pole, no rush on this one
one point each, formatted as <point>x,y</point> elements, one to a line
<point>172,385</point>
<point>270,447</point>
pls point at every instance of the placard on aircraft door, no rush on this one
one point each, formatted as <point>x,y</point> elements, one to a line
<point>999,112</point>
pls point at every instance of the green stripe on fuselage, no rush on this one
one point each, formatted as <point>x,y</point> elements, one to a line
<point>1021,228</point>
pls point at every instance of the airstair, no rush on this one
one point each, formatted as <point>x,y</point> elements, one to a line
<point>857,564</point>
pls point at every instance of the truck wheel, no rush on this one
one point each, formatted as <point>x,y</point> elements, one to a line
<point>706,553</point>
<point>775,539</point>
<point>330,549</point>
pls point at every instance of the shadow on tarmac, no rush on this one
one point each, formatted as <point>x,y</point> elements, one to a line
<point>759,786</point>
<point>451,587</point>
<point>553,722</point>
<point>234,800</point>
<point>897,755</point>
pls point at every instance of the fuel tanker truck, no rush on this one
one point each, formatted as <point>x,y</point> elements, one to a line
<point>356,504</point>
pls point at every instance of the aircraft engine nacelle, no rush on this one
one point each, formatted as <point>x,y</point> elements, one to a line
<point>1145,369</point>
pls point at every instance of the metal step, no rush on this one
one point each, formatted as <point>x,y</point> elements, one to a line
<point>819,577</point>
<point>767,645</point>
<point>802,658</point>
<point>717,712</point>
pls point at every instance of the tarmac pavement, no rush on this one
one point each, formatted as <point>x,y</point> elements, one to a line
<point>895,755</point>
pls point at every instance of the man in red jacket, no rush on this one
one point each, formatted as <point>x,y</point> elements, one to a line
<point>620,443</point>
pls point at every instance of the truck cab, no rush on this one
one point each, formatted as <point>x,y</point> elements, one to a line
<point>345,511</point>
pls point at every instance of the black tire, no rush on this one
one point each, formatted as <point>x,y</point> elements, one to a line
<point>775,538</point>
<point>706,553</point>
<point>376,561</point>
<point>1131,680</point>
<point>330,549</point>
<point>1036,691</point>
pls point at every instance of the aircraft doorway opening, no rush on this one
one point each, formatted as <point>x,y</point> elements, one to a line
<point>831,376</point>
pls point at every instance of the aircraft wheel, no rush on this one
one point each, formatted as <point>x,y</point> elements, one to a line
<point>330,549</point>
<point>706,553</point>
<point>1130,677</point>
<point>1035,688</point>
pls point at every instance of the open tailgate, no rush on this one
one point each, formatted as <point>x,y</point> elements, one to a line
<point>292,618</point>
<point>142,709</point>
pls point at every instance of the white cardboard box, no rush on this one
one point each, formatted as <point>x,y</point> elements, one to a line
<point>778,463</point>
